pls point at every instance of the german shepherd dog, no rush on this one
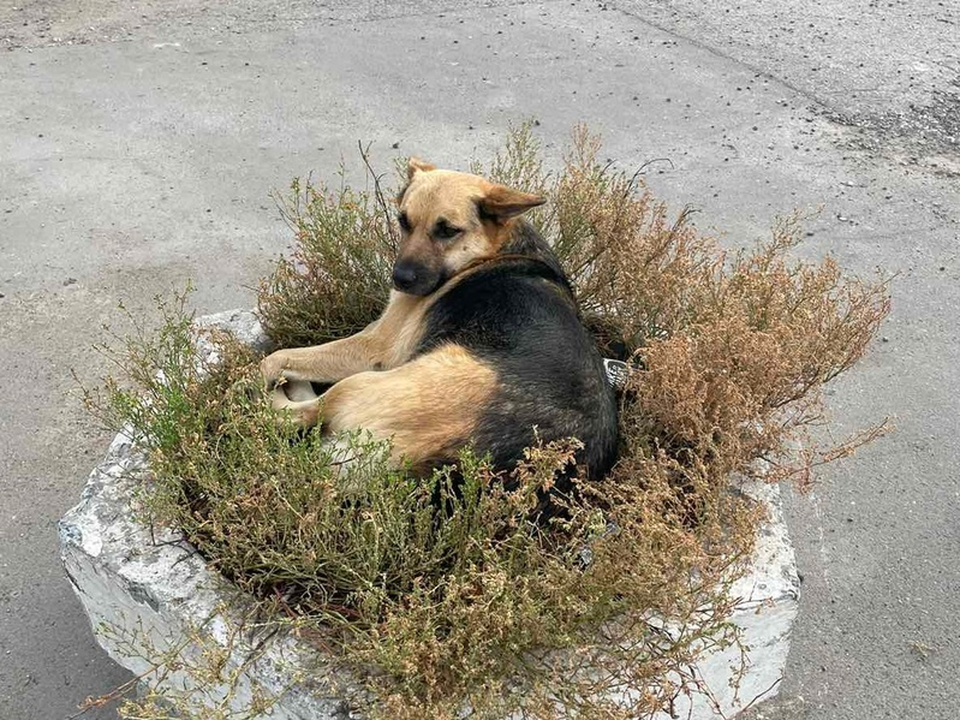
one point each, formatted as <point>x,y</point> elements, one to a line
<point>480,344</point>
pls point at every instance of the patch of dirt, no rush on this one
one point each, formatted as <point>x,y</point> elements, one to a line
<point>925,135</point>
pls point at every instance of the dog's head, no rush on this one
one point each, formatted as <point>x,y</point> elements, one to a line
<point>450,220</point>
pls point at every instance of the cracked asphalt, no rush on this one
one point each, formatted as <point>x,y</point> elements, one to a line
<point>139,145</point>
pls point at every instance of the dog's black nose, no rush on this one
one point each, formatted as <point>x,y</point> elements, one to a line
<point>404,276</point>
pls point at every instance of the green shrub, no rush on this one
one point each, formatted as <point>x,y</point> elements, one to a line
<point>480,606</point>
<point>338,278</point>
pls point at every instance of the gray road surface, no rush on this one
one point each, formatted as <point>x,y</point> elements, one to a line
<point>138,146</point>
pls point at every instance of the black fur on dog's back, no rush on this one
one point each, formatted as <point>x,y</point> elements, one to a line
<point>517,314</point>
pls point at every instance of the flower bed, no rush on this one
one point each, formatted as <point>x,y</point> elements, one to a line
<point>611,609</point>
<point>159,610</point>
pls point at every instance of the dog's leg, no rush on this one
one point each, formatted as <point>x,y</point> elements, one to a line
<point>325,363</point>
<point>428,407</point>
<point>383,344</point>
<point>303,411</point>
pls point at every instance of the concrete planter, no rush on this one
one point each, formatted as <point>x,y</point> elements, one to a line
<point>146,594</point>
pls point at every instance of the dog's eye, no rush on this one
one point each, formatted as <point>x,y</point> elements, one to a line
<point>445,231</point>
<point>404,222</point>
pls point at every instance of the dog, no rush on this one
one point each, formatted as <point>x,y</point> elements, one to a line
<point>481,343</point>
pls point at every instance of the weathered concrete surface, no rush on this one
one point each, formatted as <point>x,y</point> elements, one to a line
<point>244,325</point>
<point>114,148</point>
<point>151,600</point>
<point>769,598</point>
<point>146,593</point>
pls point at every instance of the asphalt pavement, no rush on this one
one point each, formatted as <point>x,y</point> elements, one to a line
<point>139,145</point>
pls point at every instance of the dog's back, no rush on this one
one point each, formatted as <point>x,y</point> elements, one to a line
<point>517,314</point>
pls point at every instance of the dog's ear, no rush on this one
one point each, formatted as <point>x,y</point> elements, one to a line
<point>415,165</point>
<point>502,203</point>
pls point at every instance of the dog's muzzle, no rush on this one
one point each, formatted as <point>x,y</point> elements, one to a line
<point>414,278</point>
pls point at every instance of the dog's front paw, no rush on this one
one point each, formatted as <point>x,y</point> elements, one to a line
<point>275,369</point>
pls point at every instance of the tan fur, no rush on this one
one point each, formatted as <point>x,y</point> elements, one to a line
<point>428,407</point>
